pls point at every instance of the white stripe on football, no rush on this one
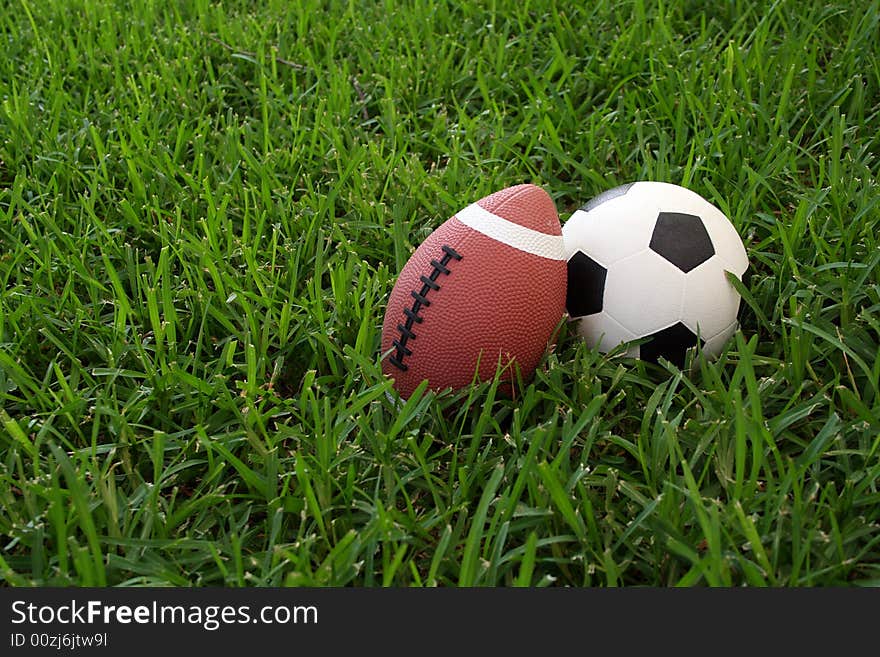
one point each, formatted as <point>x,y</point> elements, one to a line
<point>512,234</point>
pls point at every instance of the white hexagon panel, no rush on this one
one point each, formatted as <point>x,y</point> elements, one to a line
<point>644,293</point>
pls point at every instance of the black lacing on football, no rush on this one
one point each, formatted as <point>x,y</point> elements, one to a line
<point>420,300</point>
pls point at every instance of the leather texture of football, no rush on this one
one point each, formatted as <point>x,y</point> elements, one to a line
<point>486,288</point>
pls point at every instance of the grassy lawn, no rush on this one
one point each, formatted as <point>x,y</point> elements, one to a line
<point>203,209</point>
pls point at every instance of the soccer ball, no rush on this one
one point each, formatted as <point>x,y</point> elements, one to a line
<point>647,260</point>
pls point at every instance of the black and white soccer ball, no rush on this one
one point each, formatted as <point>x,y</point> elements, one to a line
<point>647,260</point>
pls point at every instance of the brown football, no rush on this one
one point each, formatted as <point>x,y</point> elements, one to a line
<point>486,288</point>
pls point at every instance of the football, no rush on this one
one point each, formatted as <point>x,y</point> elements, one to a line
<point>485,290</point>
<point>648,260</point>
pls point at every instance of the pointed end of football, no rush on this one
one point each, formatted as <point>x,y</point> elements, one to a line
<point>527,205</point>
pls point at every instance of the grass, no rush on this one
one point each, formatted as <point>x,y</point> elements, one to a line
<point>204,207</point>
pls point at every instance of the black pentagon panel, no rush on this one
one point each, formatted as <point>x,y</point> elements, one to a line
<point>586,285</point>
<point>607,195</point>
<point>671,343</point>
<point>682,239</point>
